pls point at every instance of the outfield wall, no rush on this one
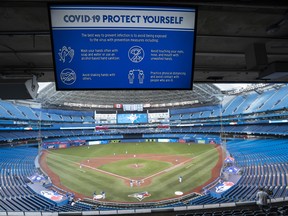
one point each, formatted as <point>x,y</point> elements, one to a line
<point>181,138</point>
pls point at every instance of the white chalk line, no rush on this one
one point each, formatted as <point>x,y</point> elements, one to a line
<point>178,165</point>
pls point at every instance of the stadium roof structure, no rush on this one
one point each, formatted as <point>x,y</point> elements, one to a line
<point>205,94</point>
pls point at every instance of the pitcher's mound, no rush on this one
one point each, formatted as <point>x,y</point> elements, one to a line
<point>136,166</point>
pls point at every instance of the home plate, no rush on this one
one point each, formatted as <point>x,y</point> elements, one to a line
<point>178,193</point>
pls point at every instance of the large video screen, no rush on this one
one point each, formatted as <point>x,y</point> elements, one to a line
<point>122,47</point>
<point>132,118</point>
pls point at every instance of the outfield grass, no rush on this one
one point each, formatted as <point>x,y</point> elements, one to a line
<point>86,180</point>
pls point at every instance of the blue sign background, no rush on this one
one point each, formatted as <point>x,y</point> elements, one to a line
<point>87,58</point>
<point>132,118</point>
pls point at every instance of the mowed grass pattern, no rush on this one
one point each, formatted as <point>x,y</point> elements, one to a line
<point>133,167</point>
<point>64,162</point>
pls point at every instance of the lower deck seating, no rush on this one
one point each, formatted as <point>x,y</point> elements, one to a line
<point>16,164</point>
<point>264,163</point>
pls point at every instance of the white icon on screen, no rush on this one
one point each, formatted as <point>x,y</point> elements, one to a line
<point>141,76</point>
<point>131,76</point>
<point>66,53</point>
<point>133,118</point>
<point>136,54</point>
<point>68,76</point>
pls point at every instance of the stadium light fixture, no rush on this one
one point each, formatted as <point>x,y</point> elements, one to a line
<point>18,88</point>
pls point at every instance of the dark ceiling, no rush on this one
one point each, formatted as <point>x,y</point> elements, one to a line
<point>226,30</point>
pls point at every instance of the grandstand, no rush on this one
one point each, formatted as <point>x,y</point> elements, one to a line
<point>250,126</point>
<point>134,117</point>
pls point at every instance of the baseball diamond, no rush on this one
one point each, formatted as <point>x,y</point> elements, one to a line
<point>148,166</point>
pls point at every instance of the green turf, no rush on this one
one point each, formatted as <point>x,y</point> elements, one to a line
<point>65,163</point>
<point>135,167</point>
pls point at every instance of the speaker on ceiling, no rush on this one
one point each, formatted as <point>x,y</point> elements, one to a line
<point>18,88</point>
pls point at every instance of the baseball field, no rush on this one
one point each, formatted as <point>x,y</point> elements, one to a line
<point>124,169</point>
